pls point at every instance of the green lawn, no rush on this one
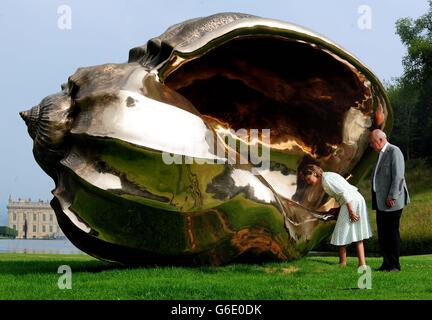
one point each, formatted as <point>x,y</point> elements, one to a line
<point>34,276</point>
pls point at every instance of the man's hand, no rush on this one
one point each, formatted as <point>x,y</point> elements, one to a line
<point>390,202</point>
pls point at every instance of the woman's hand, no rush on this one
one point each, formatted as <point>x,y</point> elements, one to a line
<point>354,217</point>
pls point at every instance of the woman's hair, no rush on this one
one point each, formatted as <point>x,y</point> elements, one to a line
<point>311,169</point>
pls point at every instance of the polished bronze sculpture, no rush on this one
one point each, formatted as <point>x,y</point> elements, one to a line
<point>145,154</point>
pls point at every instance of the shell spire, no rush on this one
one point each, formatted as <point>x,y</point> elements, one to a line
<point>31,118</point>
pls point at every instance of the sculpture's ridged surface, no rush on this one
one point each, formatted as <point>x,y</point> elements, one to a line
<point>107,137</point>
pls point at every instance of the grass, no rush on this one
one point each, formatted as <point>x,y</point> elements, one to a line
<point>34,276</point>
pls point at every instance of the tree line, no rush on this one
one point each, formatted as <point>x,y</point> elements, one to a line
<point>411,94</point>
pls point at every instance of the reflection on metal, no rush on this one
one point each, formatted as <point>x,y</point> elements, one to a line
<point>103,137</point>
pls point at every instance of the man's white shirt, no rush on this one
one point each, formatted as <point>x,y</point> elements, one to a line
<point>379,159</point>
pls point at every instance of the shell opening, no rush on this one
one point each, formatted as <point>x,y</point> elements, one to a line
<point>291,87</point>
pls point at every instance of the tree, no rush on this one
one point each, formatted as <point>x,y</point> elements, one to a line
<point>412,93</point>
<point>416,35</point>
<point>403,99</point>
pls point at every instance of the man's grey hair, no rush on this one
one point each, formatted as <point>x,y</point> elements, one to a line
<point>379,134</point>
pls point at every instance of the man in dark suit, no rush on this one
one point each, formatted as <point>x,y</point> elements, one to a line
<point>389,196</point>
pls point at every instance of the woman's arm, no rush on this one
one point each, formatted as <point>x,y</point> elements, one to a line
<point>353,216</point>
<point>338,188</point>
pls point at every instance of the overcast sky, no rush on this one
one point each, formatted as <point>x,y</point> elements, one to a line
<point>36,56</point>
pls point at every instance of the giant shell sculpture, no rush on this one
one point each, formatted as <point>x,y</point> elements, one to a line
<point>147,155</point>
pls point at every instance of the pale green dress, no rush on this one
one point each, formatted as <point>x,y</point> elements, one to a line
<point>345,231</point>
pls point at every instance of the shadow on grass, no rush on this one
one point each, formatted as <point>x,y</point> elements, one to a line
<point>21,267</point>
<point>331,263</point>
<point>41,265</point>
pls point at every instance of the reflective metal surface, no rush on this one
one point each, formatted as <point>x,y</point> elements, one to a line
<point>145,155</point>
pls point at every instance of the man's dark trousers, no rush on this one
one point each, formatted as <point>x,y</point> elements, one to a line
<point>388,236</point>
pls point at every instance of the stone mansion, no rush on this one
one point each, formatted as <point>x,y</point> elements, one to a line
<point>33,220</point>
